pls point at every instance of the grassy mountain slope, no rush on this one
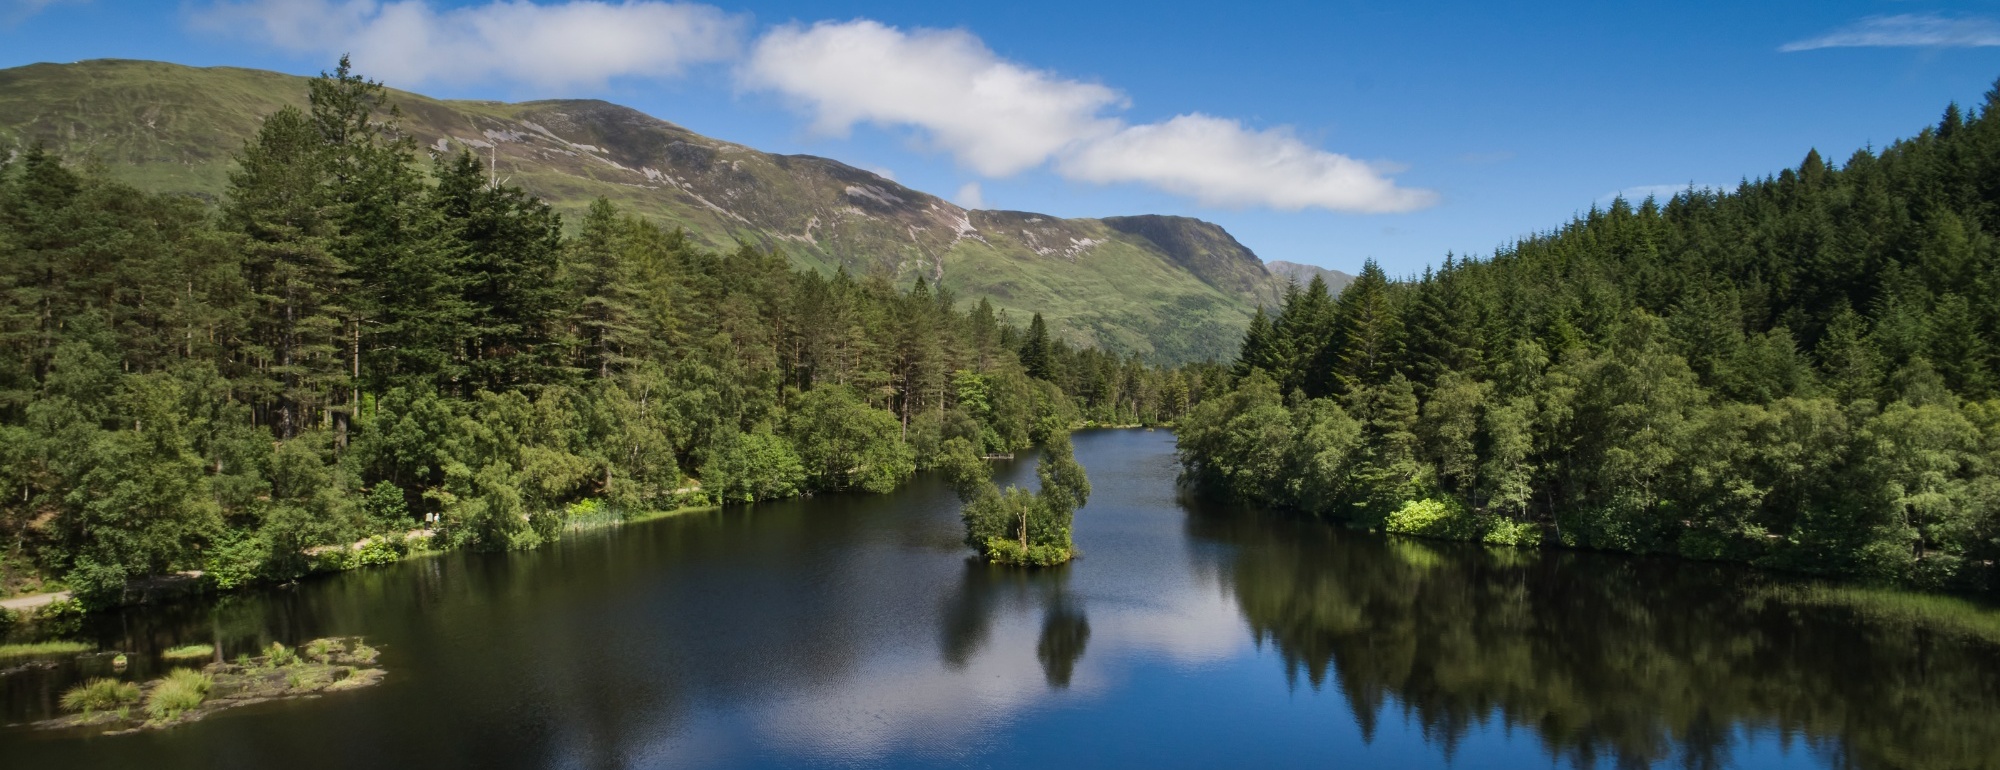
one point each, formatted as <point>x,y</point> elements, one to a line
<point>1172,288</point>
<point>1303,274</point>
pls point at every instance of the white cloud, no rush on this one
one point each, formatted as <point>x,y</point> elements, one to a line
<point>1906,30</point>
<point>577,43</point>
<point>999,118</point>
<point>995,116</point>
<point>970,196</point>
<point>1219,162</point>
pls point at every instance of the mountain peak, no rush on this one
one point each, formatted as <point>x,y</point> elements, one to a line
<point>1172,288</point>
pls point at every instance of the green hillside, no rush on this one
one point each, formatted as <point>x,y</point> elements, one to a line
<point>1172,288</point>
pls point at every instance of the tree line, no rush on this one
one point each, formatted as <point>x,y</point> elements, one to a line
<point>1799,373</point>
<point>358,341</point>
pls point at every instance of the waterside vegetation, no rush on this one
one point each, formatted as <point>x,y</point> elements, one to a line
<point>1799,374</point>
<point>360,354</point>
<point>184,695</point>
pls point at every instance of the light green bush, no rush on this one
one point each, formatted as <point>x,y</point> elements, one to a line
<point>278,655</point>
<point>1501,530</point>
<point>1431,517</point>
<point>181,691</point>
<point>100,694</point>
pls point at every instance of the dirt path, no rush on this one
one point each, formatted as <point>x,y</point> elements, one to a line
<point>31,601</point>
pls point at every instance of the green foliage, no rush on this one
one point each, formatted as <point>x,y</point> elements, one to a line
<point>188,652</point>
<point>323,650</point>
<point>278,655</point>
<point>1015,526</point>
<point>41,649</point>
<point>1795,374</point>
<point>845,444</point>
<point>753,466</point>
<point>61,617</point>
<point>1433,518</point>
<point>356,344</point>
<point>181,691</point>
<point>100,694</point>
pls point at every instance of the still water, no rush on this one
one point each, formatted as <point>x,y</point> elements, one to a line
<point>853,631</point>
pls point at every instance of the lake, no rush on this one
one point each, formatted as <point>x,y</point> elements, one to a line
<point>854,631</point>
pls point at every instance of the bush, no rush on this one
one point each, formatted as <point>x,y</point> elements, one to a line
<point>97,585</point>
<point>181,691</point>
<point>1001,550</point>
<point>8,620</point>
<point>1501,530</point>
<point>377,551</point>
<point>188,652</point>
<point>101,694</point>
<point>1430,517</point>
<point>237,560</point>
<point>278,655</point>
<point>60,618</point>
<point>323,650</point>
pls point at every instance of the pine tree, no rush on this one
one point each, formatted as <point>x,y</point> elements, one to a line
<point>1036,352</point>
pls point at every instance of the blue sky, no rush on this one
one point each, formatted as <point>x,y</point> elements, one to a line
<point>1325,132</point>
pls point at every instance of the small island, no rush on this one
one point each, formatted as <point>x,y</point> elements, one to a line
<point>1015,526</point>
<point>113,707</point>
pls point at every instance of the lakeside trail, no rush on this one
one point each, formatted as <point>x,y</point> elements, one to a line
<point>33,601</point>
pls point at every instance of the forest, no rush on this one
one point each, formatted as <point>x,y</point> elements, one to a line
<point>360,341</point>
<point>1798,374</point>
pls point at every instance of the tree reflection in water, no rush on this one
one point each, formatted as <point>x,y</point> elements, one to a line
<point>1633,660</point>
<point>985,590</point>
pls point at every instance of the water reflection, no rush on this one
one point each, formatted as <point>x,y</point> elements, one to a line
<point>985,590</point>
<point>1632,661</point>
<point>854,631</point>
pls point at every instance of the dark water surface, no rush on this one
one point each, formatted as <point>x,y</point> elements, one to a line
<point>853,631</point>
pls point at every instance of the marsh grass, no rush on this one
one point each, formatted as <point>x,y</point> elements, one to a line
<point>323,650</point>
<point>101,694</point>
<point>181,691</point>
<point>40,649</point>
<point>188,652</point>
<point>278,655</point>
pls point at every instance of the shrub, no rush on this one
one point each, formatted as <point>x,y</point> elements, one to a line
<point>1430,517</point>
<point>60,618</point>
<point>100,694</point>
<point>236,560</point>
<point>97,585</point>
<point>363,654</point>
<point>8,619</point>
<point>377,551</point>
<point>1004,551</point>
<point>323,650</point>
<point>1505,531</point>
<point>279,655</point>
<point>188,652</point>
<point>181,691</point>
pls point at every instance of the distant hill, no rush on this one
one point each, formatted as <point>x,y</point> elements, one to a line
<point>1335,280</point>
<point>1171,288</point>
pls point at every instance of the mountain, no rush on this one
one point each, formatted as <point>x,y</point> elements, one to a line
<point>1171,288</point>
<point>1303,274</point>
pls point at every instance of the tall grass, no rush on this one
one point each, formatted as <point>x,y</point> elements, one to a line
<point>187,652</point>
<point>182,691</point>
<point>38,649</point>
<point>101,694</point>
